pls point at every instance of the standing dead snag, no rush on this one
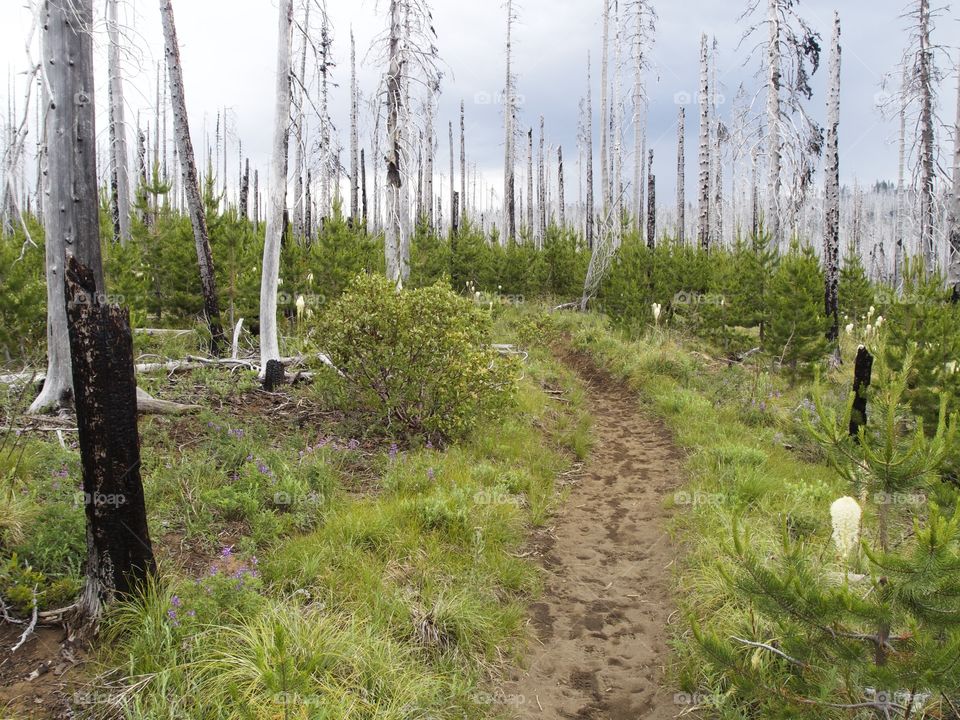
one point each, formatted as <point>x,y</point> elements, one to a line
<point>862,374</point>
<point>277,207</point>
<point>119,553</point>
<point>831,240</point>
<point>72,211</point>
<point>191,183</point>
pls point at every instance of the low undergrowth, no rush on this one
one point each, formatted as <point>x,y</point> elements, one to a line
<point>305,573</point>
<point>773,622</point>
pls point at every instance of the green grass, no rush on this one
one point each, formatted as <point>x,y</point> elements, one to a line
<point>304,576</point>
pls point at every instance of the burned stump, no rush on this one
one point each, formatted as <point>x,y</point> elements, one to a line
<point>862,373</point>
<point>119,552</point>
<point>274,376</point>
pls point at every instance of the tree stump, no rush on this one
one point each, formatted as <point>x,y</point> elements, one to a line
<point>119,553</point>
<point>862,373</point>
<point>274,376</point>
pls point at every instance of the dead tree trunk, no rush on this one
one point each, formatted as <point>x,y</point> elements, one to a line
<point>119,553</point>
<point>191,183</point>
<point>245,191</point>
<point>530,226</point>
<point>363,185</point>
<point>703,225</point>
<point>862,372</point>
<point>463,167</point>
<point>774,151</point>
<point>354,134</point>
<point>277,209</point>
<point>72,216</point>
<point>560,198</point>
<point>509,208</point>
<point>604,113</point>
<point>119,163</point>
<point>831,226</point>
<point>953,223</point>
<point>589,143</point>
<point>651,205</point>
<point>925,78</point>
<point>681,174</point>
<point>542,187</point>
<point>393,241</point>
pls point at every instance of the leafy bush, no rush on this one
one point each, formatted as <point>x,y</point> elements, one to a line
<point>416,362</point>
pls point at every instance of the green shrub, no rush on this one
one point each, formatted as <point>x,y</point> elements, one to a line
<point>416,362</point>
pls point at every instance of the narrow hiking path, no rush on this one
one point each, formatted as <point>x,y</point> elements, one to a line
<point>601,626</point>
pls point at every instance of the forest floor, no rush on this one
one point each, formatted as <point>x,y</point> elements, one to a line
<point>602,624</point>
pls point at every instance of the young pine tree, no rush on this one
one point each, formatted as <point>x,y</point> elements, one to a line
<point>796,334</point>
<point>867,625</point>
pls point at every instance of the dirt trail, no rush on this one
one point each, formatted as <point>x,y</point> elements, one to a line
<point>601,625</point>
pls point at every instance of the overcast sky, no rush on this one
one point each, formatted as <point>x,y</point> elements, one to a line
<point>229,54</point>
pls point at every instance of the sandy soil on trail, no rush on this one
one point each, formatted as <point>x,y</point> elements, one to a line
<point>601,625</point>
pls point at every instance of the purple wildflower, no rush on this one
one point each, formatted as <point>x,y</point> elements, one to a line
<point>227,551</point>
<point>175,601</point>
<point>393,451</point>
<point>430,474</point>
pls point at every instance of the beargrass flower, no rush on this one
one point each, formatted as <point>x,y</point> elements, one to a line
<point>845,517</point>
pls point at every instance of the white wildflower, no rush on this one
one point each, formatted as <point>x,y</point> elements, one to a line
<point>879,322</point>
<point>301,306</point>
<point>657,309</point>
<point>845,517</point>
<point>849,329</point>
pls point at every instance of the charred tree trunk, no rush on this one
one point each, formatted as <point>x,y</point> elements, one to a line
<point>560,198</point>
<point>245,191</point>
<point>862,373</point>
<point>119,553</point>
<point>651,205</point>
<point>363,185</point>
<point>191,183</point>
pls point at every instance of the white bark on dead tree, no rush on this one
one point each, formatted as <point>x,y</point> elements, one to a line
<point>276,209</point>
<point>119,160</point>
<point>703,98</point>
<point>354,135</point>
<point>831,226</point>
<point>72,207</point>
<point>953,224</point>
<point>509,162</point>
<point>681,174</point>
